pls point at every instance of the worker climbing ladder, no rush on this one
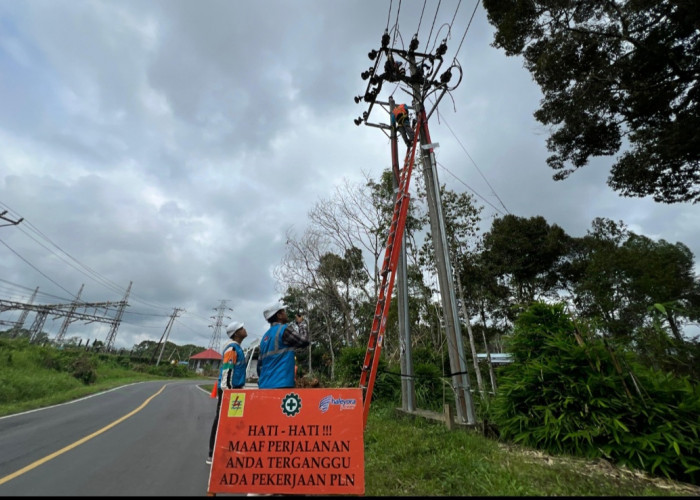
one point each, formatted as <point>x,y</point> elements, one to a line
<point>388,273</point>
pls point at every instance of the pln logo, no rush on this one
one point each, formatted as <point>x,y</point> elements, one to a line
<point>236,404</point>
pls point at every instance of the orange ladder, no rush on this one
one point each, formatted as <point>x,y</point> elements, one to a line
<point>388,274</point>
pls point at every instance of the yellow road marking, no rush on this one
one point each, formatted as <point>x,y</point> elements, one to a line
<point>77,443</point>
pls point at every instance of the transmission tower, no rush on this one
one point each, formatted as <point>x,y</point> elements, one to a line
<point>112,335</point>
<point>215,343</point>
<point>69,317</point>
<point>23,316</point>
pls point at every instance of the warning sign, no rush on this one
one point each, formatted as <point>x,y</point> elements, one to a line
<point>289,441</point>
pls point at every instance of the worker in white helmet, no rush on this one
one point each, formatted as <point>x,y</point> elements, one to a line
<point>231,373</point>
<point>276,358</point>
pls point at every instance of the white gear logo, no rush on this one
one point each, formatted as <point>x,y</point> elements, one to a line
<point>291,404</point>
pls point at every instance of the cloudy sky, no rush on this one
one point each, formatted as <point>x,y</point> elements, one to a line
<point>172,143</point>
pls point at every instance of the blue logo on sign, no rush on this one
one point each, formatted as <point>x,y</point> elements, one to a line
<point>345,404</point>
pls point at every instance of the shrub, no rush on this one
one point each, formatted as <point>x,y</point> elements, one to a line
<point>429,387</point>
<point>348,367</point>
<point>564,397</point>
<point>387,385</point>
<point>84,369</point>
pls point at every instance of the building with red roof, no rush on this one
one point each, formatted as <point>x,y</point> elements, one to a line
<point>209,357</point>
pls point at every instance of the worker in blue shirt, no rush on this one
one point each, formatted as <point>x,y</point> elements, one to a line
<point>276,361</point>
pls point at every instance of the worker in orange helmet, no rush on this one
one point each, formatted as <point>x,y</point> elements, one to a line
<point>399,119</point>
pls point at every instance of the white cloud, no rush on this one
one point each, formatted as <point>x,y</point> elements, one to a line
<point>172,143</point>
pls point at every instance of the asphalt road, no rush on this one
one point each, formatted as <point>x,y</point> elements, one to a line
<point>144,439</point>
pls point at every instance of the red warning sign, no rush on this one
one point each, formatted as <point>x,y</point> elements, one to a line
<point>289,441</point>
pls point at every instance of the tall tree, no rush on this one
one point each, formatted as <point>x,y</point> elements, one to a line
<point>621,276</point>
<point>614,71</point>
<point>526,255</point>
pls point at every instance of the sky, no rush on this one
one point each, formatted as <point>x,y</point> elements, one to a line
<point>171,144</point>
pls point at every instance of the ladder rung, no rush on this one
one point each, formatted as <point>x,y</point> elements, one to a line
<point>389,265</point>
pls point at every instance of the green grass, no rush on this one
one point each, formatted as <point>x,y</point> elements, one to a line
<point>407,456</point>
<point>61,390</point>
<point>404,456</point>
<point>33,376</point>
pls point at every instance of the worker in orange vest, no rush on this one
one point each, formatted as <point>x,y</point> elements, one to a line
<point>399,119</point>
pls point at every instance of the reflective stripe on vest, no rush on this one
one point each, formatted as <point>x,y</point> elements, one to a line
<point>277,360</point>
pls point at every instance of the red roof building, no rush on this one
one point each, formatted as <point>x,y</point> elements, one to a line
<point>208,357</point>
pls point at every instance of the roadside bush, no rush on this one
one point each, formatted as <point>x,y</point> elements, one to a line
<point>348,366</point>
<point>84,369</point>
<point>348,370</point>
<point>387,385</point>
<point>564,397</point>
<point>169,370</point>
<point>430,393</point>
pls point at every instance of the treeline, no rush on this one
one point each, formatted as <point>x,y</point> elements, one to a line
<point>148,351</point>
<point>640,294</point>
<point>601,366</point>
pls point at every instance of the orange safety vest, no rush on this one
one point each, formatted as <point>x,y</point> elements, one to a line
<point>400,113</point>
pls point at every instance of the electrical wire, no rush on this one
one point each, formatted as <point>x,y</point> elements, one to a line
<point>453,18</point>
<point>388,17</point>
<point>427,42</point>
<point>396,25</point>
<point>91,273</point>
<point>34,267</point>
<point>421,16</point>
<point>467,29</point>
<point>477,168</point>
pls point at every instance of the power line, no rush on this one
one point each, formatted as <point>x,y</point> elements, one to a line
<point>453,17</point>
<point>470,188</point>
<point>421,16</point>
<point>388,17</point>
<point>437,9</point>
<point>94,275</point>
<point>34,267</point>
<point>477,168</point>
<point>467,29</point>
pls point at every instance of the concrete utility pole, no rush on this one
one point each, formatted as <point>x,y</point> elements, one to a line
<point>166,333</point>
<point>458,366</point>
<point>421,83</point>
<point>215,342</point>
<point>408,389</point>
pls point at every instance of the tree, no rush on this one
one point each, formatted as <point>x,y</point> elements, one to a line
<point>356,217</point>
<point>614,71</point>
<point>663,273</point>
<point>526,254</point>
<point>620,276</point>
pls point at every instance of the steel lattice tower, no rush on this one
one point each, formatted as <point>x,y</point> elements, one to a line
<point>112,335</point>
<point>215,343</point>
